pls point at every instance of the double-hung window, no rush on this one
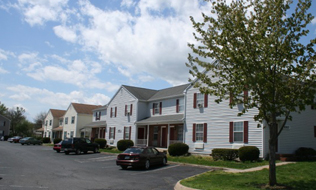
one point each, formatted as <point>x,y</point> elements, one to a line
<point>199,132</point>
<point>50,122</point>
<point>238,131</point>
<point>72,119</point>
<point>66,120</point>
<point>112,133</point>
<point>200,100</point>
<point>61,122</point>
<point>127,133</point>
<point>156,108</point>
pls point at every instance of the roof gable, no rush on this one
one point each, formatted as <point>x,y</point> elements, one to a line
<point>84,108</point>
<point>57,113</point>
<point>140,93</point>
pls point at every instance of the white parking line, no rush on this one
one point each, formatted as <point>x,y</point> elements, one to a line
<point>98,159</point>
<point>24,187</point>
<point>149,171</point>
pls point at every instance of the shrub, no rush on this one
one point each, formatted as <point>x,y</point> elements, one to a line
<point>224,154</point>
<point>178,149</point>
<point>248,153</point>
<point>57,140</point>
<point>304,153</point>
<point>101,142</point>
<point>46,140</point>
<point>122,145</point>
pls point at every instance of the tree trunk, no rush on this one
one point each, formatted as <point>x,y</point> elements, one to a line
<point>272,150</point>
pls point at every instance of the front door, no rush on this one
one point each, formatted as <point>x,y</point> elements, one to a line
<point>164,137</point>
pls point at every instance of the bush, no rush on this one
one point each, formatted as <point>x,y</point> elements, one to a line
<point>178,149</point>
<point>248,153</point>
<point>101,142</point>
<point>46,140</point>
<point>304,153</point>
<point>57,140</point>
<point>224,154</point>
<point>122,145</point>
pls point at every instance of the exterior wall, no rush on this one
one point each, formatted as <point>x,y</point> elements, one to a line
<point>168,107</point>
<point>68,127</point>
<point>4,126</point>
<point>299,134</point>
<point>218,117</point>
<point>122,98</point>
<point>48,125</point>
<point>102,117</point>
<point>142,110</point>
<point>80,121</point>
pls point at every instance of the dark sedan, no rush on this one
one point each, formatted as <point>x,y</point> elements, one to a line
<point>30,140</point>
<point>141,157</point>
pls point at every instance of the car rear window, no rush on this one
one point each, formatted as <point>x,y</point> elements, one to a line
<point>134,150</point>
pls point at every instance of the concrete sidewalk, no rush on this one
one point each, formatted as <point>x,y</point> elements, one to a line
<point>178,186</point>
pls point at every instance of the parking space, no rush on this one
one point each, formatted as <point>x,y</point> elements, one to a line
<point>34,167</point>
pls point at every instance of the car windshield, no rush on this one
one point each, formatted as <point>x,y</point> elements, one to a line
<point>134,150</point>
<point>26,138</point>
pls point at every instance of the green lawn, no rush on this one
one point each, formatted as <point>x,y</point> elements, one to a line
<point>110,150</point>
<point>292,176</point>
<point>208,161</point>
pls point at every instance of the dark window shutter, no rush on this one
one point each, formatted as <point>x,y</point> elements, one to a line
<point>124,133</point>
<point>231,132</point>
<point>245,131</point>
<point>114,133</point>
<point>230,98</point>
<point>130,112</point>
<point>205,100</point>
<point>177,106</point>
<point>125,110</point>
<point>245,96</point>
<point>205,133</point>
<point>194,100</point>
<point>160,108</point>
<point>314,131</point>
<point>115,111</point>
<point>130,132</point>
<point>111,115</point>
<point>110,132</point>
<point>193,135</point>
<point>153,108</point>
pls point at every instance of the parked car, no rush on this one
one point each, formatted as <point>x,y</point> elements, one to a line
<point>57,147</point>
<point>14,139</point>
<point>141,157</point>
<point>30,140</point>
<point>79,145</point>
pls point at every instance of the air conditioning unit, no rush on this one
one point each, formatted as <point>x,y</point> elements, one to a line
<point>111,141</point>
<point>200,105</point>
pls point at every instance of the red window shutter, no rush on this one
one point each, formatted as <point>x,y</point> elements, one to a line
<point>230,98</point>
<point>110,132</point>
<point>194,100</point>
<point>153,108</point>
<point>130,132</point>
<point>111,112</point>
<point>205,100</point>
<point>245,96</point>
<point>124,133</point>
<point>114,133</point>
<point>125,110</point>
<point>115,111</point>
<point>193,135</point>
<point>177,106</point>
<point>205,133</point>
<point>231,132</point>
<point>130,112</point>
<point>160,108</point>
<point>245,131</point>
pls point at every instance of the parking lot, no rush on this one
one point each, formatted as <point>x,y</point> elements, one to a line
<point>39,167</point>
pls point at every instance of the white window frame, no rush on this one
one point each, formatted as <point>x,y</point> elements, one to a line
<point>199,132</point>
<point>50,122</point>
<point>200,99</point>
<point>73,119</point>
<point>113,111</point>
<point>71,134</point>
<point>126,133</point>
<point>181,105</point>
<point>156,108</point>
<point>66,120</point>
<point>61,122</point>
<point>238,128</point>
<point>65,134</point>
<point>112,132</point>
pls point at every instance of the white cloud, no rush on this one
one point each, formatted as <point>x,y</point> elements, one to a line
<point>65,33</point>
<point>38,12</point>
<point>314,21</point>
<point>49,44</point>
<point>4,54</point>
<point>3,71</point>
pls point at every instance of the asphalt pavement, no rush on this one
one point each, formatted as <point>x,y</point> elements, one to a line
<point>39,167</point>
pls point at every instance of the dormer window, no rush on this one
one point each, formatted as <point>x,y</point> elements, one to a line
<point>157,108</point>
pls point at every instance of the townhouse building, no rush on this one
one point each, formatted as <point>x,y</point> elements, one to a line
<point>52,126</point>
<point>4,126</point>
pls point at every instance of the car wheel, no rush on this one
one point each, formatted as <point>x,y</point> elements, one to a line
<point>124,167</point>
<point>78,151</point>
<point>147,164</point>
<point>10,141</point>
<point>22,143</point>
<point>58,151</point>
<point>66,152</point>
<point>96,150</point>
<point>85,152</point>
<point>164,161</point>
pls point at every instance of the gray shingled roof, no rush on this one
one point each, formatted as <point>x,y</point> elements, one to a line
<point>141,93</point>
<point>169,92</point>
<point>178,118</point>
<point>149,94</point>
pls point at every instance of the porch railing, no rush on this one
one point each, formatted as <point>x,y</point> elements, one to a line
<point>141,142</point>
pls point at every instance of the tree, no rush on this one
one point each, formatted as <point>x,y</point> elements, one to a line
<point>24,128</point>
<point>39,120</point>
<point>16,116</point>
<point>257,47</point>
<point>3,109</point>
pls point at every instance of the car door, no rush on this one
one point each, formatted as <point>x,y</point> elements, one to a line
<point>156,156</point>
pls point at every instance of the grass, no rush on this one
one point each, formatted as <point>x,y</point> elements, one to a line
<point>292,176</point>
<point>208,161</point>
<point>110,150</point>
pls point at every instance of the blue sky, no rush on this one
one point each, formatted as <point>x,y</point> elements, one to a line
<point>54,52</point>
